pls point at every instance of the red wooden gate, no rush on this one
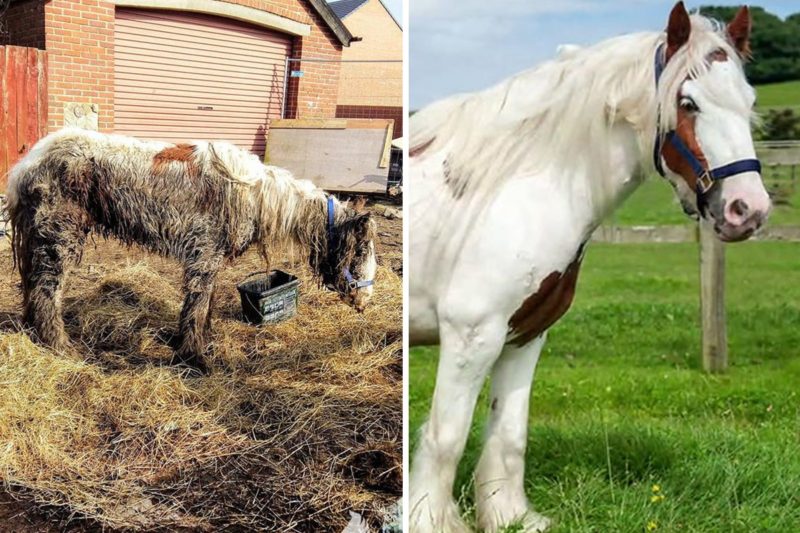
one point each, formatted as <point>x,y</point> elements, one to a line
<point>23,104</point>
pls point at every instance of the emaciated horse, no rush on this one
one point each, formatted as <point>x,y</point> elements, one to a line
<point>506,187</point>
<point>202,203</point>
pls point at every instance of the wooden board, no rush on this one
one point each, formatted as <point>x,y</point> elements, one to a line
<point>336,154</point>
<point>23,104</point>
<point>3,119</point>
<point>9,134</point>
<point>784,155</point>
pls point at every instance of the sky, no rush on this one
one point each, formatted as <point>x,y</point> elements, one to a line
<point>396,7</point>
<point>466,45</point>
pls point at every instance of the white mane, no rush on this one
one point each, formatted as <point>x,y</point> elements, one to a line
<point>269,183</point>
<point>556,114</point>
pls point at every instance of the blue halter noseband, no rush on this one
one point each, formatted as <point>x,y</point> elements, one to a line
<point>705,177</point>
<point>352,283</point>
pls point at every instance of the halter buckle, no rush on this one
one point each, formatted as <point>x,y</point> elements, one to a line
<point>704,181</point>
<point>354,284</point>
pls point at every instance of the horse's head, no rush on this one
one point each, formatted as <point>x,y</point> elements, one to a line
<point>705,145</point>
<point>347,264</point>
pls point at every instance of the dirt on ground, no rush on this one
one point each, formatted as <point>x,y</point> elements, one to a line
<point>297,424</point>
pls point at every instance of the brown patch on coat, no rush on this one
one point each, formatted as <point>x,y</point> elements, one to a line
<point>419,149</point>
<point>685,130</point>
<point>360,204</point>
<point>180,153</point>
<point>543,308</point>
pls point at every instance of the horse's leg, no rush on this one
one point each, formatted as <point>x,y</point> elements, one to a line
<point>47,249</point>
<point>195,319</point>
<point>466,355</point>
<point>500,493</point>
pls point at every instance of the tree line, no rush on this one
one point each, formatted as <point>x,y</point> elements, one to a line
<point>775,43</point>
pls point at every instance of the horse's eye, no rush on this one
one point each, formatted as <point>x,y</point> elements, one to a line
<point>689,105</point>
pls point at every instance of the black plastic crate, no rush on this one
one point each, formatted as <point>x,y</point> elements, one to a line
<point>269,298</point>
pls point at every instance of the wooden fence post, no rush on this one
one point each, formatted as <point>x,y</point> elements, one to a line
<point>712,300</point>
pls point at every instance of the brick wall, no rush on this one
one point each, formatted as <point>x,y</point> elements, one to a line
<point>80,48</point>
<point>23,24</point>
<point>370,83</point>
<point>373,111</point>
<point>79,38</point>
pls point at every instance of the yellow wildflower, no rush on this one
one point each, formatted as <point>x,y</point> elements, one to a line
<point>652,525</point>
<point>656,488</point>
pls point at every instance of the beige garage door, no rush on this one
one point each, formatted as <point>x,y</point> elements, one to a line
<point>184,76</point>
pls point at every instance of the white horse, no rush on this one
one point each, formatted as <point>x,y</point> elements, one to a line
<point>506,187</point>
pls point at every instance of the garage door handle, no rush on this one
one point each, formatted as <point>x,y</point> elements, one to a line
<point>205,107</point>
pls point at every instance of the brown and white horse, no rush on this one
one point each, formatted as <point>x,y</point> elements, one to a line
<point>201,203</point>
<point>506,187</point>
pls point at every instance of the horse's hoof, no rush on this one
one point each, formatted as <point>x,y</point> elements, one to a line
<point>194,366</point>
<point>533,522</point>
<point>529,522</point>
<point>442,519</point>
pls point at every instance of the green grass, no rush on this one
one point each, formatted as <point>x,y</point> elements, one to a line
<point>654,202</point>
<point>773,95</point>
<point>620,403</point>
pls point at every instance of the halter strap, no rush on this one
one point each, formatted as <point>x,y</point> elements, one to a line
<point>352,283</point>
<point>330,219</point>
<point>355,284</point>
<point>705,177</point>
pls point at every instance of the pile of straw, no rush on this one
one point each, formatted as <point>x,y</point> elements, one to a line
<point>298,424</point>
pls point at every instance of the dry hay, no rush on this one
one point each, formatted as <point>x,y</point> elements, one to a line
<point>298,424</point>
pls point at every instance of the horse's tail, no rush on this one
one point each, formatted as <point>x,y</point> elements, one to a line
<point>430,123</point>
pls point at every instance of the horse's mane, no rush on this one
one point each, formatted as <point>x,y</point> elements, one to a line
<point>289,209</point>
<point>553,114</point>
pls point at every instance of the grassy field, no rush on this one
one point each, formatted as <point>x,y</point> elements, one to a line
<point>654,202</point>
<point>620,406</point>
<point>772,95</point>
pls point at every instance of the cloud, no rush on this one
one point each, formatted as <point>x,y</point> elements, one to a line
<point>467,45</point>
<point>441,9</point>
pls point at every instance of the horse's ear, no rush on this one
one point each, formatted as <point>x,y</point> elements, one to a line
<point>678,29</point>
<point>739,30</point>
<point>364,225</point>
<point>360,204</point>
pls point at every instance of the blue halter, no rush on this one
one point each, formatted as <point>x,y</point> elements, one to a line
<point>705,177</point>
<point>352,283</point>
